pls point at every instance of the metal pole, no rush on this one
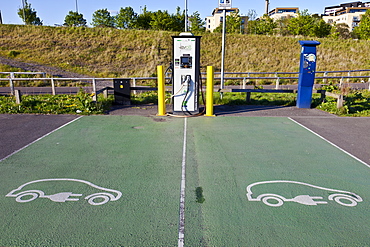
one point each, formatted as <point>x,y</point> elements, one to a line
<point>53,86</point>
<point>76,7</point>
<point>186,15</point>
<point>94,98</point>
<point>161,92</point>
<point>209,92</point>
<point>24,14</point>
<point>11,83</point>
<point>267,7</point>
<point>223,48</point>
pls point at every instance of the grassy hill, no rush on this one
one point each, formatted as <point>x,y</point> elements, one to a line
<point>104,52</point>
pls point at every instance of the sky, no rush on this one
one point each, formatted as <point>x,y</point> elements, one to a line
<point>53,12</point>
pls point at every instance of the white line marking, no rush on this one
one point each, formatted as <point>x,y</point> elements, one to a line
<point>182,191</point>
<point>341,149</point>
<point>38,139</point>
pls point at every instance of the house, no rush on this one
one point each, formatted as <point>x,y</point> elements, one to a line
<point>283,13</point>
<point>212,22</point>
<point>347,13</point>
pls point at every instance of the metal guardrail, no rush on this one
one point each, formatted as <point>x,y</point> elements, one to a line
<point>23,73</point>
<point>248,76</point>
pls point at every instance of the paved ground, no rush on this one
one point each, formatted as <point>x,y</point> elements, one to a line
<point>20,130</point>
<point>133,152</point>
<point>347,133</point>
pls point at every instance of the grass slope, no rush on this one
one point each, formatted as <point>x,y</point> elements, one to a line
<point>110,52</point>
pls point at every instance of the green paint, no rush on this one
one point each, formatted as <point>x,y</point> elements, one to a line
<point>141,157</point>
<point>233,152</point>
<point>138,156</point>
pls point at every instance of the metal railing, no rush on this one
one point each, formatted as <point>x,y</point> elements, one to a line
<point>277,77</point>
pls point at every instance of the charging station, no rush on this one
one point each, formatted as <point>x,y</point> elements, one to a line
<point>186,74</point>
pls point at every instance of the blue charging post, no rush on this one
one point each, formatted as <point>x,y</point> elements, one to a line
<point>306,73</point>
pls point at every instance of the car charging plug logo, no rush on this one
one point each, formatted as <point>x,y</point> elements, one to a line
<point>102,196</point>
<point>344,198</point>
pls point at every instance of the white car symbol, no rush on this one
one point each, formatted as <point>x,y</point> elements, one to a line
<point>342,197</point>
<point>93,199</point>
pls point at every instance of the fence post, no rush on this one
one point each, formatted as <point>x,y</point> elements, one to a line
<point>209,92</point>
<point>248,97</point>
<point>94,89</point>
<point>52,86</point>
<point>105,93</point>
<point>161,92</point>
<point>277,86</point>
<point>323,96</point>
<point>244,83</point>
<point>325,75</point>
<point>11,84</point>
<point>341,82</point>
<point>18,96</point>
<point>349,74</point>
<point>340,101</point>
<point>134,85</point>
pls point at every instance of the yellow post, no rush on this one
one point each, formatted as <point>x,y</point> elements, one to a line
<point>209,92</point>
<point>161,92</point>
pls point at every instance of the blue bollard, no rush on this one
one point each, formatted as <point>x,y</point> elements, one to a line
<point>306,73</point>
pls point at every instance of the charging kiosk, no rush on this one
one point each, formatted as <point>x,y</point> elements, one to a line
<point>186,74</point>
<point>307,72</point>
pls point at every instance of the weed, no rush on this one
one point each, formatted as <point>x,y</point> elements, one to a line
<point>56,104</point>
<point>199,195</point>
<point>13,53</point>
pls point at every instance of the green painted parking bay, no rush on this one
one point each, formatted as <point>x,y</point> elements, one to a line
<point>123,154</point>
<point>115,181</point>
<point>314,194</point>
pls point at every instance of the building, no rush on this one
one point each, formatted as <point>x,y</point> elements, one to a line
<point>212,22</point>
<point>347,13</point>
<point>283,13</point>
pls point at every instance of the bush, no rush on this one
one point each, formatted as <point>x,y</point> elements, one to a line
<point>56,104</point>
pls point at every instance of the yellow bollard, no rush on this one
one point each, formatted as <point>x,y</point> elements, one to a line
<point>209,92</point>
<point>161,92</point>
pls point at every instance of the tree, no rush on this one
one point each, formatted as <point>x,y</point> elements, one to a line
<point>161,21</point>
<point>196,23</point>
<point>252,14</point>
<point>178,20</point>
<point>363,29</point>
<point>29,15</point>
<point>301,25</point>
<point>74,19</point>
<point>126,18</point>
<point>263,26</point>
<point>102,18</point>
<point>340,30</point>
<point>233,24</point>
<point>281,26</point>
<point>321,29</point>
<point>143,20</point>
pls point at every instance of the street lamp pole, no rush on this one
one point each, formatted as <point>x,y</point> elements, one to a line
<point>76,7</point>
<point>186,15</point>
<point>24,13</point>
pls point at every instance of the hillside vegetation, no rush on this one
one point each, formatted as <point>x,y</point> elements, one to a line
<point>107,52</point>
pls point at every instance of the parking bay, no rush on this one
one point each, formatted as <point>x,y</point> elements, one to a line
<point>141,157</point>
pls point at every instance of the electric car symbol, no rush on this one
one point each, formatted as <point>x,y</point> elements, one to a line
<point>95,199</point>
<point>342,197</point>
